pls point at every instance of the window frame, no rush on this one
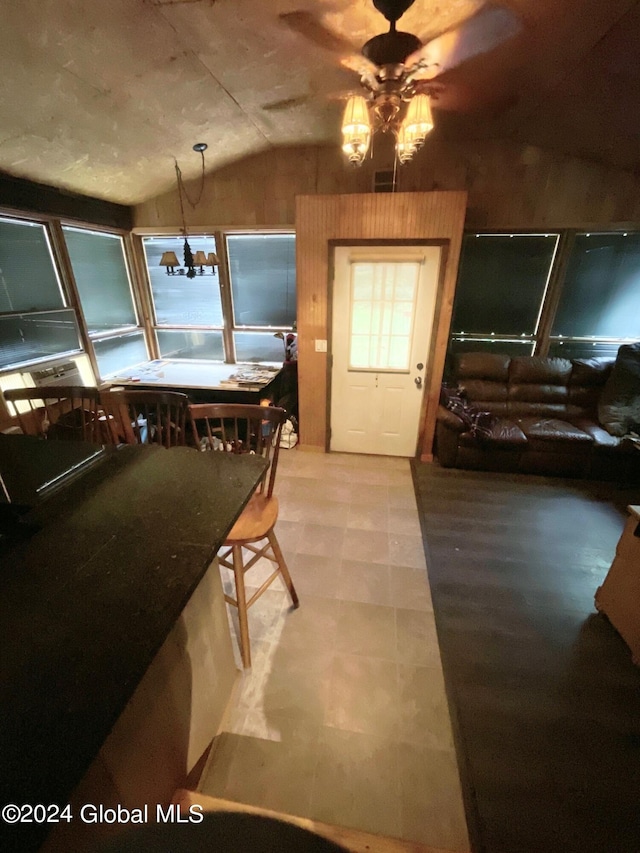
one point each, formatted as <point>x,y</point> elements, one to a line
<point>48,225</point>
<point>57,226</point>
<point>123,330</point>
<point>542,339</point>
<point>223,278</point>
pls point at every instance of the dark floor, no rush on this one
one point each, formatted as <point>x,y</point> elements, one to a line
<point>544,696</point>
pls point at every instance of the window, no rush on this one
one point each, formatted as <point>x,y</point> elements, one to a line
<point>116,354</point>
<point>600,298</point>
<point>501,284</point>
<point>28,277</point>
<point>100,271</point>
<point>104,288</point>
<point>383,296</point>
<point>190,316</point>
<point>190,344</point>
<point>257,347</point>
<point>262,269</point>
<point>178,300</point>
<point>34,321</point>
<point>503,292</point>
<point>36,336</point>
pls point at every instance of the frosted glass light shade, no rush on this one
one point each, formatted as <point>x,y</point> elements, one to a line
<point>418,121</point>
<point>356,129</point>
<point>404,146</point>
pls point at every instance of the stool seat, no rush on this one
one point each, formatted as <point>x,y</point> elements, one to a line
<point>257,519</point>
<point>247,429</point>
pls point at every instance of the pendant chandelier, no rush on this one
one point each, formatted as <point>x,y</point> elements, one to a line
<point>408,118</point>
<point>193,264</point>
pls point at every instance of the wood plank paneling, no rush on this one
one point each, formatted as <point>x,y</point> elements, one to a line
<point>510,185</point>
<point>437,216</point>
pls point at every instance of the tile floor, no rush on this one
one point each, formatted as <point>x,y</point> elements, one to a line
<point>343,716</point>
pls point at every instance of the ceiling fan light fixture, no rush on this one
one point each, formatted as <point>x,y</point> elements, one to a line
<point>404,146</point>
<point>418,121</point>
<point>356,129</point>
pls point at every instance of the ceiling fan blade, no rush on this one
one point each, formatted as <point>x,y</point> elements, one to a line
<point>360,64</point>
<point>365,68</point>
<point>309,26</point>
<point>478,34</point>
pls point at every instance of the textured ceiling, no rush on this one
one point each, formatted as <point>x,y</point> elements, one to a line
<point>99,96</point>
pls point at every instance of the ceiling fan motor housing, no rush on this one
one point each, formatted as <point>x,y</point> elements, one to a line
<point>391,48</point>
<point>392,10</point>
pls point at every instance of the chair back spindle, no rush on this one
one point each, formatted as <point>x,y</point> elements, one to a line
<point>61,412</point>
<point>240,429</point>
<point>148,417</point>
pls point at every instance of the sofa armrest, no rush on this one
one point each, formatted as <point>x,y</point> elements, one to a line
<point>450,420</point>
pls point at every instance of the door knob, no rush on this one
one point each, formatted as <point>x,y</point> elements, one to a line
<point>418,381</point>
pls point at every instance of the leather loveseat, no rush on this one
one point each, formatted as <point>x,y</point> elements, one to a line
<point>541,418</point>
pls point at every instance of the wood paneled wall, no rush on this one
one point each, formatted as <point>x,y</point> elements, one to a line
<point>509,186</point>
<point>437,216</point>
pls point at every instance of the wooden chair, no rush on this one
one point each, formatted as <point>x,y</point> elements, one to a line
<point>247,429</point>
<point>148,417</point>
<point>61,412</point>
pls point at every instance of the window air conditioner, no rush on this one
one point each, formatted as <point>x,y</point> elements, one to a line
<point>65,373</point>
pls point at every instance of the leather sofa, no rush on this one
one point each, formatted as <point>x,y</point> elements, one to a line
<point>543,418</point>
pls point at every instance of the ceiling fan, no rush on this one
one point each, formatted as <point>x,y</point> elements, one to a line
<point>396,67</point>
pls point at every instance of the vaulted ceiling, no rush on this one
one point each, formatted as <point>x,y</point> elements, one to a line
<point>98,96</point>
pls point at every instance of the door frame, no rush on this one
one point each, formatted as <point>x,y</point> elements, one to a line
<point>443,244</point>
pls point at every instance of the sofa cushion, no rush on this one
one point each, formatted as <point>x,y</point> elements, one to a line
<point>588,378</point>
<point>590,372</point>
<point>601,438</point>
<point>504,433</point>
<point>485,394</point>
<point>536,370</point>
<point>481,365</point>
<point>553,435</point>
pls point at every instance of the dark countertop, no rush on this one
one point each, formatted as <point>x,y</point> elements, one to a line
<point>31,468</point>
<point>87,602</point>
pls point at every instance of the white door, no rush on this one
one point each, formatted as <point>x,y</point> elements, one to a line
<point>383,307</point>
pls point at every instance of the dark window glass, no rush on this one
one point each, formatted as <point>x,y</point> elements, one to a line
<point>582,349</point>
<point>29,337</point>
<point>507,347</point>
<point>116,355</point>
<point>178,300</point>
<point>263,279</point>
<point>258,347</point>
<point>185,344</point>
<point>601,292</point>
<point>101,275</point>
<point>501,282</point>
<point>28,279</point>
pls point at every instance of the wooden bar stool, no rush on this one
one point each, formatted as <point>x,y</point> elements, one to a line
<point>148,417</point>
<point>247,429</point>
<point>61,412</point>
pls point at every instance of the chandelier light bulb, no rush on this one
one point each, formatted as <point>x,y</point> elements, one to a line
<point>418,121</point>
<point>356,129</point>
